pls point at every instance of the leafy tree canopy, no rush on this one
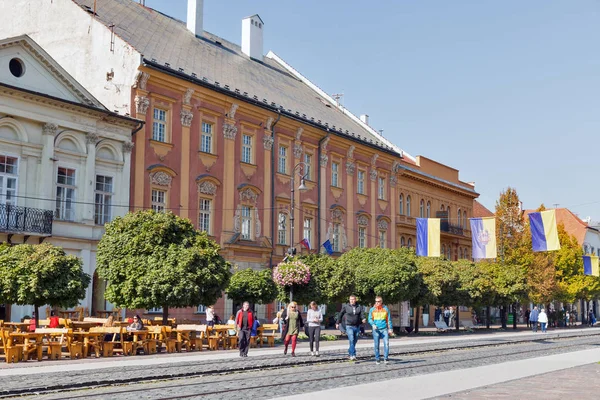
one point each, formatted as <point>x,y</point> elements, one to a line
<point>256,287</point>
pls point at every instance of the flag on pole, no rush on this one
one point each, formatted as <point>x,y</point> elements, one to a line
<point>306,243</point>
<point>428,237</point>
<point>483,236</point>
<point>327,246</point>
<point>591,266</point>
<point>544,233</point>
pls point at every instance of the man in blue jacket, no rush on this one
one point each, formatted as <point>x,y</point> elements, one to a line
<point>380,320</point>
<point>533,319</point>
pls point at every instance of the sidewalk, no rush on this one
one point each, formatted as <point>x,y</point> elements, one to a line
<point>340,346</point>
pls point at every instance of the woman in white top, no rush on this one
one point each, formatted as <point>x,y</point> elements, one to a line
<point>314,317</point>
<point>210,316</point>
<point>543,320</point>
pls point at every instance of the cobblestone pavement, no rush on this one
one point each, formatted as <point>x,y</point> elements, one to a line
<point>280,378</point>
<point>580,383</point>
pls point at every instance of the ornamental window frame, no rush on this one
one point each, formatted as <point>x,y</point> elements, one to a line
<point>207,137</point>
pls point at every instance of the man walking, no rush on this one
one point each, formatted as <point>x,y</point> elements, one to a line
<point>243,321</point>
<point>381,322</point>
<point>533,318</point>
<point>354,317</point>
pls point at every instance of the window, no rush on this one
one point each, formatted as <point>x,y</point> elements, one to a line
<point>282,228</point>
<point>408,206</point>
<point>401,205</point>
<point>362,237</point>
<point>308,166</point>
<point>422,209</point>
<point>201,309</point>
<point>159,202</point>
<point>204,212</point>
<point>428,209</point>
<point>104,194</point>
<point>247,149</point>
<point>360,187</point>
<point>409,242</point>
<point>16,67</point>
<point>282,166</point>
<point>336,238</point>
<point>449,214</point>
<point>308,230</point>
<point>459,217</point>
<point>206,140</point>
<point>449,255</point>
<point>442,208</point>
<point>65,194</point>
<point>155,310</point>
<point>381,188</point>
<point>335,169</point>
<point>246,223</point>
<point>382,239</point>
<point>159,125</point>
<point>8,180</point>
<point>465,219</point>
<point>402,241</point>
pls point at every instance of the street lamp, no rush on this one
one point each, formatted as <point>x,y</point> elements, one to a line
<point>302,170</point>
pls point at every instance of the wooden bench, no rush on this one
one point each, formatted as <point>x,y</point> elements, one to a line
<point>57,338</point>
<point>13,353</point>
<point>191,336</point>
<point>95,320</point>
<point>108,347</point>
<point>269,331</point>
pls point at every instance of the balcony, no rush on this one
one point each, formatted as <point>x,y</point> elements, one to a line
<point>450,228</point>
<point>25,220</point>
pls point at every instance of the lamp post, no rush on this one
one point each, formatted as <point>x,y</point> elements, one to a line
<point>301,170</point>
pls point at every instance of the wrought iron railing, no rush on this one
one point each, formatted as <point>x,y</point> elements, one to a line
<point>15,219</point>
<point>454,229</point>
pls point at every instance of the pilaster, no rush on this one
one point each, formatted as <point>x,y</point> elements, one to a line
<point>186,116</point>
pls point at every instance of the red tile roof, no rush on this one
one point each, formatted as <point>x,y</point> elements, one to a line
<point>480,211</point>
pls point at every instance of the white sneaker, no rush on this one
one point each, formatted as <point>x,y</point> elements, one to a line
<point>316,353</point>
<point>312,353</point>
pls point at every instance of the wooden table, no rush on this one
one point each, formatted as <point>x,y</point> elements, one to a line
<point>26,338</point>
<point>84,325</point>
<point>220,334</point>
<point>18,326</point>
<point>138,340</point>
<point>86,337</point>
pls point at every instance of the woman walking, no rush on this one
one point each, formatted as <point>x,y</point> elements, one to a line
<point>292,323</point>
<point>314,317</point>
<point>543,319</point>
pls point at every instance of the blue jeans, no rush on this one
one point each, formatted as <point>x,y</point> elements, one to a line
<point>534,326</point>
<point>381,334</point>
<point>543,326</point>
<point>352,332</point>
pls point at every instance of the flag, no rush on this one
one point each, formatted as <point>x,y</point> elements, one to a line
<point>305,243</point>
<point>428,237</point>
<point>544,234</point>
<point>328,248</point>
<point>483,236</point>
<point>591,266</point>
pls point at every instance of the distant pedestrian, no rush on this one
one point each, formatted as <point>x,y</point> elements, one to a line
<point>351,316</point>
<point>292,323</point>
<point>314,317</point>
<point>279,320</point>
<point>543,319</point>
<point>591,318</point>
<point>567,315</point>
<point>210,316</point>
<point>447,316</point>
<point>437,315</point>
<point>452,317</point>
<point>243,321</point>
<point>380,320</point>
<point>527,314</point>
<point>533,318</point>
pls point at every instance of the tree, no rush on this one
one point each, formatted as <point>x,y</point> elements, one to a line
<point>510,224</point>
<point>329,281</point>
<point>159,260</point>
<point>41,274</point>
<point>255,287</point>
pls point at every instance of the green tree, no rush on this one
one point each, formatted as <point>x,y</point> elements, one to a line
<point>510,224</point>
<point>41,274</point>
<point>154,259</point>
<point>329,281</point>
<point>256,287</point>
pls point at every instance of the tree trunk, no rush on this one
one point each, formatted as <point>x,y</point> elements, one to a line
<point>515,315</point>
<point>503,316</point>
<point>291,293</point>
<point>488,316</point>
<point>165,315</point>
<point>457,318</point>
<point>36,309</point>
<point>417,319</point>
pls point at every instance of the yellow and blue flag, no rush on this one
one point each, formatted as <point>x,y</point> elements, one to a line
<point>428,237</point>
<point>591,266</point>
<point>544,233</point>
<point>483,236</point>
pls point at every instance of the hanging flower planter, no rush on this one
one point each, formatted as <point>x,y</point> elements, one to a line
<point>291,273</point>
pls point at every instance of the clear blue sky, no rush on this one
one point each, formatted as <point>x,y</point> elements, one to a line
<point>505,91</point>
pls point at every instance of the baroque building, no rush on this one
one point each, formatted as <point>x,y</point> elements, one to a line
<point>228,129</point>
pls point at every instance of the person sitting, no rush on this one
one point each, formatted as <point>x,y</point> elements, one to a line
<point>254,331</point>
<point>231,321</point>
<point>137,324</point>
<point>54,321</point>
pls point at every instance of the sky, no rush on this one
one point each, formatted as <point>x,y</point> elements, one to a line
<point>507,92</point>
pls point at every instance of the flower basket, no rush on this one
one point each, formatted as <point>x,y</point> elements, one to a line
<point>290,273</point>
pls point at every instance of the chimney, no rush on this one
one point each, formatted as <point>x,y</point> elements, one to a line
<point>252,37</point>
<point>195,13</point>
<point>365,118</point>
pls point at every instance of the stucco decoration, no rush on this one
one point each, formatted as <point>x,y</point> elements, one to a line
<point>268,142</point>
<point>362,220</point>
<point>141,79</point>
<point>298,149</point>
<point>161,178</point>
<point>127,147</point>
<point>248,195</point>
<point>373,174</point>
<point>186,118</point>
<point>50,129</point>
<point>142,103</point>
<point>257,224</point>
<point>350,154</point>
<point>92,138</point>
<point>336,214</point>
<point>237,220</point>
<point>382,225</point>
<point>325,143</point>
<point>229,131</point>
<point>343,237</point>
<point>232,110</point>
<point>350,167</point>
<point>207,187</point>
<point>323,160</point>
<point>269,123</point>
<point>374,159</point>
<point>396,167</point>
<point>393,180</point>
<point>187,97</point>
<point>299,133</point>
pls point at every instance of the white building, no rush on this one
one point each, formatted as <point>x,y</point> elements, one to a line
<point>64,160</point>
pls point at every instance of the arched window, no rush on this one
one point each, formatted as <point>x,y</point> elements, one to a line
<point>428,209</point>
<point>465,221</point>
<point>402,241</point>
<point>408,206</point>
<point>422,209</point>
<point>409,242</point>
<point>443,208</point>
<point>449,214</point>
<point>443,250</point>
<point>401,205</point>
<point>459,215</point>
<point>449,250</point>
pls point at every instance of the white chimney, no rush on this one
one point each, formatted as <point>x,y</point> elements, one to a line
<point>252,37</point>
<point>195,16</point>
<point>365,118</point>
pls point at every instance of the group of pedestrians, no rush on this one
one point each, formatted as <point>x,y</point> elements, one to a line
<point>538,316</point>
